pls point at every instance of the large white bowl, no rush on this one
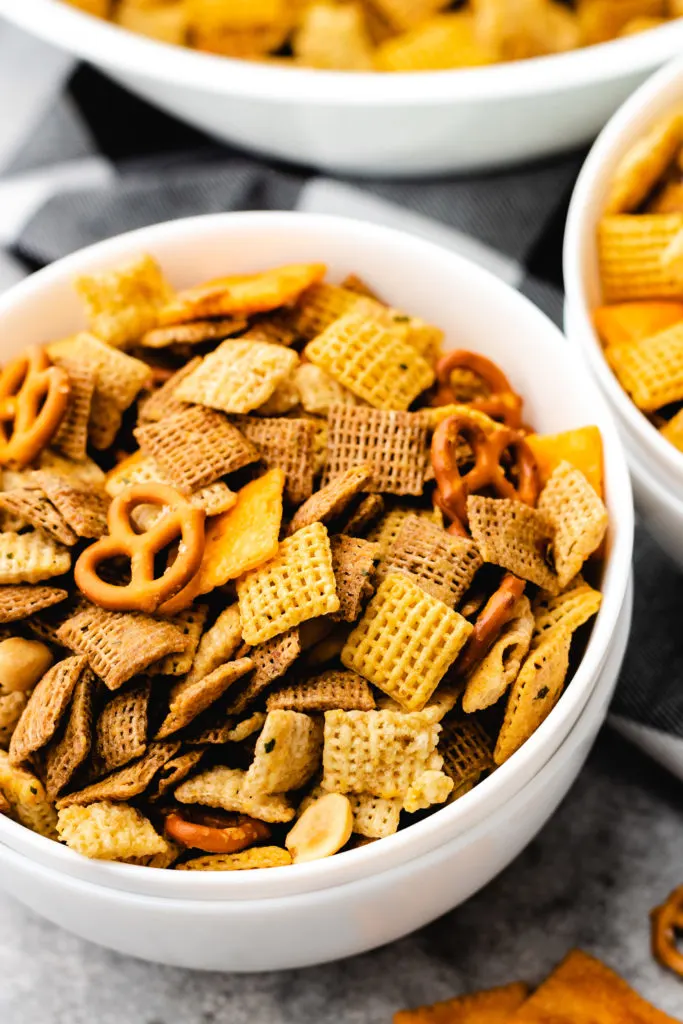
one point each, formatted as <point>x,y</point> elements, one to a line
<point>477,311</point>
<point>328,924</point>
<point>657,466</point>
<point>388,124</point>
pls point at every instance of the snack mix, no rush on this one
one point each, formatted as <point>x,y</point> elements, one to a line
<point>640,252</point>
<point>276,575</point>
<point>384,35</point>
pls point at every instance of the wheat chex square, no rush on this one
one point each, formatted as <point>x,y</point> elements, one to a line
<point>239,376</point>
<point>393,444</point>
<point>195,447</point>
<point>296,585</point>
<point>405,641</point>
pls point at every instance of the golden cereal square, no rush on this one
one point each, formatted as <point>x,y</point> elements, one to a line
<point>378,753</point>
<point>123,303</point>
<point>373,817</point>
<point>246,860</point>
<point>631,252</point>
<point>238,376</point>
<point>118,376</point>
<point>643,164</point>
<point>651,370</point>
<point>288,752</point>
<point>108,831</point>
<point>567,611</point>
<point>405,641</point>
<point>31,557</point>
<point>298,584</point>
<point>578,516</point>
<point>372,361</point>
<point>227,788</point>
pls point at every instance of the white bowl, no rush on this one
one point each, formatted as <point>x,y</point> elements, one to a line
<point>387,124</point>
<point>651,457</point>
<point>328,924</point>
<point>477,311</point>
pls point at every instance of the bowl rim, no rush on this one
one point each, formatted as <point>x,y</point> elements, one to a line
<point>660,93</point>
<point>112,46</point>
<point>326,873</point>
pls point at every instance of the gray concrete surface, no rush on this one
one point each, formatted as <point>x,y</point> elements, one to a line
<point>613,850</point>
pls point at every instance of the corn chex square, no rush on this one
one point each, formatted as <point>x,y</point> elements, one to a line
<point>296,585</point>
<point>109,831</point>
<point>195,447</point>
<point>392,444</point>
<point>31,557</point>
<point>650,369</point>
<point>381,753</point>
<point>123,303</point>
<point>405,641</point>
<point>565,612</point>
<point>227,788</point>
<point>288,753</point>
<point>239,376</point>
<point>372,361</point>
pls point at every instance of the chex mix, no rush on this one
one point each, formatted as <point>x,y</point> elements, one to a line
<point>640,257</point>
<point>277,576</point>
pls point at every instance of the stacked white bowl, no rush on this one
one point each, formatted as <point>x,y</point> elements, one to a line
<point>368,123</point>
<point>656,466</point>
<point>308,913</point>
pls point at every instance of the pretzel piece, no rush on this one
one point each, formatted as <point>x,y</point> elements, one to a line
<point>454,487</point>
<point>33,400</point>
<point>145,592</point>
<point>244,833</point>
<point>502,402</point>
<point>666,921</point>
<point>497,611</point>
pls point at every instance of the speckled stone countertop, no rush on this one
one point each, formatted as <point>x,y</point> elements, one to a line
<point>613,851</point>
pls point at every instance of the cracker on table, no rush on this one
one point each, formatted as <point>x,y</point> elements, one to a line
<point>494,1006</point>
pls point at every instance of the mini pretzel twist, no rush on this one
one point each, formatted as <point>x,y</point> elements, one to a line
<point>213,839</point>
<point>666,921</point>
<point>181,521</point>
<point>33,400</point>
<point>503,403</point>
<point>453,487</point>
<point>498,610</point>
